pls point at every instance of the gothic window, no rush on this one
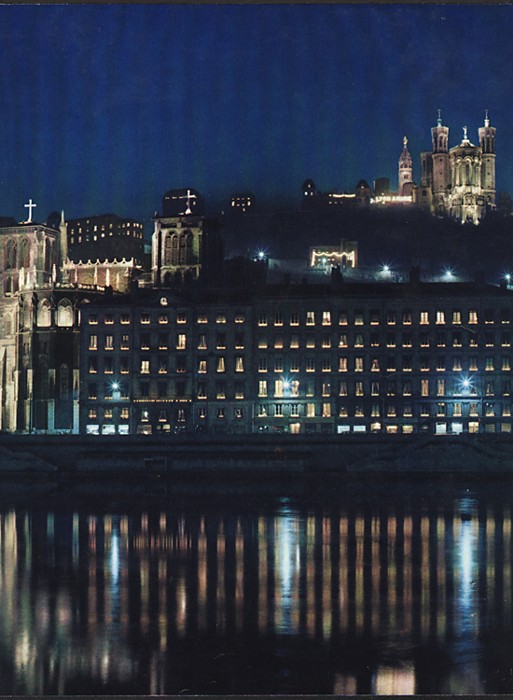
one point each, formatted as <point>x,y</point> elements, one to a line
<point>175,240</point>
<point>48,255</point>
<point>24,253</point>
<point>44,314</point>
<point>64,313</point>
<point>10,255</point>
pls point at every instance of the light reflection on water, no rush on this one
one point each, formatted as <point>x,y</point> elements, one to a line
<point>400,592</point>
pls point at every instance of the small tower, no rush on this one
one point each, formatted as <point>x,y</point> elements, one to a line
<point>405,168</point>
<point>441,171</point>
<point>487,143</point>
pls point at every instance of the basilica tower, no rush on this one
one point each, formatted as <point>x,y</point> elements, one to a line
<point>487,143</point>
<point>441,174</point>
<point>405,168</point>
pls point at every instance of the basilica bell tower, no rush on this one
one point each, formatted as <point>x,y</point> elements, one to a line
<point>405,168</point>
<point>487,143</point>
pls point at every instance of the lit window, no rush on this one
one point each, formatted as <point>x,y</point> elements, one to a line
<point>294,365</point>
<point>424,317</point>
<point>220,391</point>
<point>358,364</point>
<point>163,319</point>
<point>262,410</point>
<point>326,410</point>
<point>125,319</point>
<point>358,318</point>
<point>262,364</point>
<point>472,316</point>
<point>342,364</point>
<point>202,341</point>
<point>202,318</point>
<point>310,410</point>
<point>181,341</point>
<point>181,318</point>
<point>358,388</point>
<point>342,388</point>
<point>220,365</point>
<point>407,318</point>
<point>239,364</point>
<point>145,318</point>
<point>262,342</point>
<point>456,317</point>
<point>506,364</point>
<point>109,318</point>
<point>326,388</point>
<point>278,364</point>
<point>440,387</point>
<point>310,340</point>
<point>278,388</point>
<point>310,364</point>
<point>278,341</point>
<point>342,318</point>
<point>440,317</point>
<point>294,318</point>
<point>93,342</point>
<point>262,387</point>
<point>239,317</point>
<point>109,342</point>
<point>374,317</point>
<point>294,341</point>
<point>489,365</point>
<point>278,319</point>
<point>278,410</point>
<point>145,367</point>
<point>326,340</point>
<point>202,366</point>
<point>220,318</point>
<point>294,410</point>
<point>375,388</point>
<point>310,318</point>
<point>326,318</point>
<point>262,320</point>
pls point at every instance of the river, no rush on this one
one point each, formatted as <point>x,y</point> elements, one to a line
<point>323,586</point>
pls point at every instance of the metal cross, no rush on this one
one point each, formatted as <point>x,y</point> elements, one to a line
<point>30,206</point>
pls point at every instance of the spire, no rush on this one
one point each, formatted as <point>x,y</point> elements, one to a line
<point>439,120</point>
<point>465,136</point>
<point>405,141</point>
<point>63,220</point>
<point>487,121</point>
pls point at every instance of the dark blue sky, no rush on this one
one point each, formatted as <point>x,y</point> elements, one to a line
<point>105,107</point>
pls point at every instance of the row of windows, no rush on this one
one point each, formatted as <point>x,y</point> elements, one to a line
<point>392,363</point>
<point>327,410</point>
<point>323,318</point>
<point>161,342</point>
<point>374,317</point>
<point>440,387</point>
<point>391,340</point>
<point>162,318</point>
<point>178,415</point>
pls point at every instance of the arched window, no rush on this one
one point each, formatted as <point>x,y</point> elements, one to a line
<point>64,313</point>
<point>44,315</point>
<point>175,256</point>
<point>10,255</point>
<point>48,255</point>
<point>25,253</point>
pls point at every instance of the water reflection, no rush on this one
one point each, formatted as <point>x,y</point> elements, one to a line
<point>393,595</point>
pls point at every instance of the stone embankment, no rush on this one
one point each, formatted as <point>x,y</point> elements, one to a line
<point>139,456</point>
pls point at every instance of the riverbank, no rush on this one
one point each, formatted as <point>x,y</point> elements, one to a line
<point>284,455</point>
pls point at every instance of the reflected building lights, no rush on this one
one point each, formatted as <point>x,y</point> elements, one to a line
<point>344,577</point>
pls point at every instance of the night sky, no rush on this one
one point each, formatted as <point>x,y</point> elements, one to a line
<point>105,107</point>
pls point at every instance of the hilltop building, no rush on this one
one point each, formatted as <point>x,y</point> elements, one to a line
<point>459,182</point>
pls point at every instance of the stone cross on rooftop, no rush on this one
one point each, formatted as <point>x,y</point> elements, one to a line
<point>30,206</point>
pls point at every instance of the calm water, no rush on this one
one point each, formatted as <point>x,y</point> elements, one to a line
<point>365,587</point>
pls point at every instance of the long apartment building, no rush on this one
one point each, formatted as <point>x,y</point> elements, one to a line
<point>338,358</point>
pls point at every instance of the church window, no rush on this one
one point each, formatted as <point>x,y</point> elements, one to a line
<point>25,253</point>
<point>44,317</point>
<point>64,313</point>
<point>239,364</point>
<point>109,342</point>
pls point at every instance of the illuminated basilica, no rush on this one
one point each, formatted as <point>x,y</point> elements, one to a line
<point>458,182</point>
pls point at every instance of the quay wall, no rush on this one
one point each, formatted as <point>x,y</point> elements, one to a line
<point>73,455</point>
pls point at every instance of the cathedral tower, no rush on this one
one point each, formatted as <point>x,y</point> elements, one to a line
<point>405,168</point>
<point>487,143</point>
<point>441,173</point>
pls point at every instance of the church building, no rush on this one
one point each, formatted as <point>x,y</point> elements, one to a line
<point>459,182</point>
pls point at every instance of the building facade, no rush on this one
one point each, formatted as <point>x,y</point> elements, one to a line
<point>361,358</point>
<point>459,182</point>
